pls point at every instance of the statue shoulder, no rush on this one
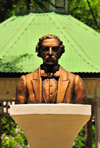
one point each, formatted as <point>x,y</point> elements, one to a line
<point>22,82</point>
<point>31,75</point>
<point>69,74</point>
<point>79,81</point>
<point>79,87</point>
<point>80,90</point>
<point>21,90</point>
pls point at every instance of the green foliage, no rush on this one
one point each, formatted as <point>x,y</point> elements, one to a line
<point>12,7</point>
<point>10,64</point>
<point>8,125</point>
<point>6,9</point>
<point>87,11</point>
<point>93,137</point>
<point>12,135</point>
<point>80,139</point>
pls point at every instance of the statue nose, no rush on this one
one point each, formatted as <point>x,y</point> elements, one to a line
<point>50,51</point>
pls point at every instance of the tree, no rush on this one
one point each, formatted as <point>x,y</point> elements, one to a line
<point>87,11</point>
<point>80,141</point>
<point>12,135</point>
<point>10,64</point>
<point>12,7</point>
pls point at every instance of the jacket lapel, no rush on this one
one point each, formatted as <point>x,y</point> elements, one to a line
<point>37,85</point>
<point>62,85</point>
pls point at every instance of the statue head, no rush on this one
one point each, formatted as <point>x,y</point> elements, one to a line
<point>50,49</point>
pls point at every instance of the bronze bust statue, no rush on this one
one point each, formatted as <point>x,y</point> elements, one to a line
<point>50,83</point>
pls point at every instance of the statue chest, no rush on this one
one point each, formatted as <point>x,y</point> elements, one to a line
<point>49,90</point>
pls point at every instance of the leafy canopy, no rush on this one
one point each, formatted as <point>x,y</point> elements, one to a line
<point>87,11</point>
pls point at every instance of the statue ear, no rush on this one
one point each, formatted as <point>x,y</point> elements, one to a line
<point>37,48</point>
<point>60,55</point>
<point>62,48</point>
<point>39,54</point>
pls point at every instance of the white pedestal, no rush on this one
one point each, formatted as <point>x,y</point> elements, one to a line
<point>51,125</point>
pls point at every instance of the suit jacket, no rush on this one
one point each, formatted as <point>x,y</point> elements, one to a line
<point>71,88</point>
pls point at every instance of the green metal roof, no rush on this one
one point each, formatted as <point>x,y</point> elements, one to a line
<point>19,36</point>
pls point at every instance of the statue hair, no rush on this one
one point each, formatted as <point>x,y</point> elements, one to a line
<point>49,36</point>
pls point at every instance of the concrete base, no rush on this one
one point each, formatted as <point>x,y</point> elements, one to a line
<point>51,125</point>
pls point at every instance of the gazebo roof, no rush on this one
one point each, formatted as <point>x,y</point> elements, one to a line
<point>19,36</point>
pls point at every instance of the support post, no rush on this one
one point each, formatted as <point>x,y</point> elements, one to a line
<point>89,134</point>
<point>0,129</point>
<point>89,125</point>
<point>97,121</point>
<point>1,115</point>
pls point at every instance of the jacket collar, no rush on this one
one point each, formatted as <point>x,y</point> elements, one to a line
<point>63,74</point>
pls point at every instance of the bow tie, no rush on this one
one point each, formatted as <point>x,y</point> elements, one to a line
<point>50,75</point>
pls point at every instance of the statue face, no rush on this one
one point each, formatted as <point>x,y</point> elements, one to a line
<point>50,51</point>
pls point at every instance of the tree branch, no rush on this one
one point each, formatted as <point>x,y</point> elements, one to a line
<point>93,14</point>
